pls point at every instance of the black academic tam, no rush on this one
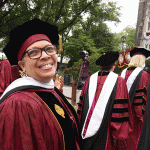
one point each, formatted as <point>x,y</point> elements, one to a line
<point>107,59</point>
<point>19,34</point>
<point>141,51</point>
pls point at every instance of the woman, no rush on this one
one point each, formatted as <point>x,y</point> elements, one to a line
<point>137,84</point>
<point>34,114</point>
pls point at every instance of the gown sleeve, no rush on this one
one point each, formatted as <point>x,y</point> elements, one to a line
<point>81,99</point>
<point>25,125</point>
<point>121,119</point>
<point>140,99</point>
<point>8,74</point>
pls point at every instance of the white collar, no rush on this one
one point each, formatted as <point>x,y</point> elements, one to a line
<point>28,81</point>
<point>132,76</point>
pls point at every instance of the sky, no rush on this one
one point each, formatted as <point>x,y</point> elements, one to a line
<point>129,11</point>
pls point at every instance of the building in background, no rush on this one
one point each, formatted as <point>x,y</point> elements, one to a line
<point>143,25</point>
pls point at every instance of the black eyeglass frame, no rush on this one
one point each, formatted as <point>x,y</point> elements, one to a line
<point>42,49</point>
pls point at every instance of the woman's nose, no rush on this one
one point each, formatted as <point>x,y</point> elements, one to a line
<point>44,55</point>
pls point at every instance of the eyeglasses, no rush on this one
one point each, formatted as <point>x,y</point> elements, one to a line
<point>37,52</point>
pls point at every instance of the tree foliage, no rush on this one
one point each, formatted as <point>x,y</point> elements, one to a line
<point>89,33</point>
<point>129,32</point>
<point>64,13</point>
<point>92,34</point>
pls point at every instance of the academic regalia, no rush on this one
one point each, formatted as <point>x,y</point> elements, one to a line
<point>8,74</point>
<point>139,100</point>
<point>144,141</point>
<point>20,41</point>
<point>37,118</point>
<point>137,84</point>
<point>119,123</point>
<point>105,115</point>
<point>33,114</point>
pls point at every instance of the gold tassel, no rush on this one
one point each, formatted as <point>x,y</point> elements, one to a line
<point>60,45</point>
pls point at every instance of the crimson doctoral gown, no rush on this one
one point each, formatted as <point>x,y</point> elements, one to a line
<point>118,122</point>
<point>38,119</point>
<point>138,105</point>
<point>144,142</point>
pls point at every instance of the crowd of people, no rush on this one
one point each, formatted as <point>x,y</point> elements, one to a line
<point>113,111</point>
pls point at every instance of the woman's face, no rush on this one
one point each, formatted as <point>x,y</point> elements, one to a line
<point>42,69</point>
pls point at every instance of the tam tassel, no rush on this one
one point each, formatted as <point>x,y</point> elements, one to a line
<point>60,45</point>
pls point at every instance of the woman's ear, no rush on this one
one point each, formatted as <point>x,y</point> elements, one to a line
<point>22,65</point>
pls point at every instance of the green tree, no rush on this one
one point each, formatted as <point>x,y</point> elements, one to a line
<point>75,45</point>
<point>95,25</point>
<point>64,13</point>
<point>13,13</point>
<point>129,32</point>
<point>92,33</point>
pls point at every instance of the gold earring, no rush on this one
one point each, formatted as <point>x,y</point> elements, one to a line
<point>22,74</point>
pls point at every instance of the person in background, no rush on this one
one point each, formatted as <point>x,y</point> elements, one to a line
<point>84,71</point>
<point>84,74</point>
<point>137,84</point>
<point>104,109</point>
<point>34,114</point>
<point>8,74</point>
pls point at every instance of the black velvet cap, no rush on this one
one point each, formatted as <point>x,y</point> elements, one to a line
<point>142,51</point>
<point>108,59</point>
<point>18,35</point>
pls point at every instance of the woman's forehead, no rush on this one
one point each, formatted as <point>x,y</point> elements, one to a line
<point>39,44</point>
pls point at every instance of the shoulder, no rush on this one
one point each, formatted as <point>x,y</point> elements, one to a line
<point>121,82</point>
<point>144,79</point>
<point>22,98</point>
<point>22,105</point>
<point>120,79</point>
<point>145,74</point>
<point>22,94</point>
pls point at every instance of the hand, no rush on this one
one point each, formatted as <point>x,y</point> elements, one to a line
<point>59,82</point>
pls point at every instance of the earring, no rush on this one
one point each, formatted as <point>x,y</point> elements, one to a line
<point>22,74</point>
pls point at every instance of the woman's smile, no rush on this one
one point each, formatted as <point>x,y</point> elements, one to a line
<point>46,66</point>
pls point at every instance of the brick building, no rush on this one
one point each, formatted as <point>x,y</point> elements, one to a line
<point>143,25</point>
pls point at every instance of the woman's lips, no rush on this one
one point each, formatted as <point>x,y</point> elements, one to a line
<point>46,66</point>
